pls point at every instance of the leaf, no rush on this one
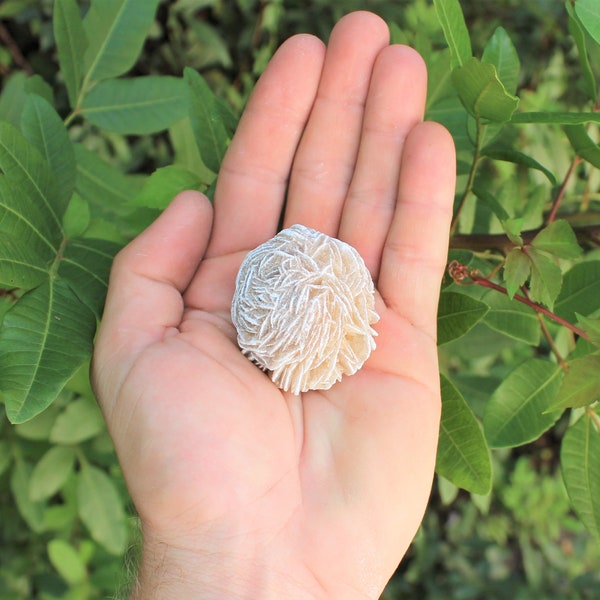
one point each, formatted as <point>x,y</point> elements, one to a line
<point>482,92</point>
<point>71,44</point>
<point>457,313</point>
<point>44,338</point>
<point>85,265</point>
<point>462,455</point>
<point>517,269</point>
<point>35,197</point>
<point>519,158</point>
<point>581,471</point>
<point>66,561</point>
<point>453,24</point>
<point>591,328</point>
<point>491,202</point>
<point>5,456</point>
<point>559,240</point>
<point>81,420</point>
<point>555,118</point>
<point>581,385</point>
<point>108,192</point>
<point>45,130</point>
<point>583,144</point>
<point>101,509</point>
<point>51,472</point>
<point>140,105</point>
<point>588,12</point>
<point>164,184</point>
<point>516,412</point>
<point>580,291</point>
<point>501,52</point>
<point>77,217</point>
<point>22,265</point>
<point>578,34</point>
<point>211,128</point>
<point>116,31</point>
<point>546,278</point>
<point>12,98</point>
<point>32,512</point>
<point>512,318</point>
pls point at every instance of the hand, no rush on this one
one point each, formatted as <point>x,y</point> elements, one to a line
<point>245,491</point>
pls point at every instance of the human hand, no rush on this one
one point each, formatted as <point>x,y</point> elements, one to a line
<point>245,491</point>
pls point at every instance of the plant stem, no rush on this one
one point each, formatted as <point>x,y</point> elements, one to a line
<point>563,188</point>
<point>499,241</point>
<point>459,272</point>
<point>472,174</point>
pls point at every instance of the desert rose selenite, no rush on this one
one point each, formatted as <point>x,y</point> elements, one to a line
<point>303,308</point>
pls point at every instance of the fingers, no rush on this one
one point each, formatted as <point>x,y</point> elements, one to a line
<point>415,252</point>
<point>395,104</point>
<point>326,156</point>
<point>255,171</point>
<point>144,302</point>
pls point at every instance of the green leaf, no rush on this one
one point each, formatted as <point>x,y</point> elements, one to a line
<point>12,98</point>
<point>45,130</point>
<point>559,240</point>
<point>482,92</point>
<point>108,192</point>
<point>32,512</point>
<point>22,265</point>
<point>546,278</point>
<point>591,328</point>
<point>211,127</point>
<point>101,509</point>
<point>517,269</point>
<point>35,195</point>
<point>453,24</point>
<point>578,34</point>
<point>71,44</point>
<point>516,412</point>
<point>164,184</point>
<point>137,106</point>
<point>116,31</point>
<point>555,118</point>
<point>81,420</point>
<point>85,265</point>
<point>580,291</point>
<point>501,52</point>
<point>512,318</point>
<point>514,156</point>
<point>581,385</point>
<point>580,467</point>
<point>44,338</point>
<point>457,313</point>
<point>588,12</point>
<point>583,144</point>
<point>5,456</point>
<point>491,202</point>
<point>51,472</point>
<point>67,562</point>
<point>462,456</point>
<point>77,217</point>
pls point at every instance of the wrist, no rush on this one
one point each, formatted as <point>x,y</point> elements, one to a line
<point>168,571</point>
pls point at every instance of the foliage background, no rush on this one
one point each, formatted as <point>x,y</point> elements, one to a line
<point>67,529</point>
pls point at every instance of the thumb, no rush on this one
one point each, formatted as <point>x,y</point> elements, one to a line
<point>144,301</point>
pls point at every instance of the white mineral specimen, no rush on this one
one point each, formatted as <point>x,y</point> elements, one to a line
<point>303,309</point>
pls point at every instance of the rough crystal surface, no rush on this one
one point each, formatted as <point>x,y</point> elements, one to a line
<point>303,308</point>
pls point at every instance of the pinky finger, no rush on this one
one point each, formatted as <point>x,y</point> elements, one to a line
<point>416,249</point>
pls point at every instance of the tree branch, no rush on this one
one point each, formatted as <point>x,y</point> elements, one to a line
<point>480,242</point>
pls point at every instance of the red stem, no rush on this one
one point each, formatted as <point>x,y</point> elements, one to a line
<point>479,280</point>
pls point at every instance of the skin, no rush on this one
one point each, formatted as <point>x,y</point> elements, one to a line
<point>245,491</point>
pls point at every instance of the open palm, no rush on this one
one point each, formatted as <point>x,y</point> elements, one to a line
<point>317,495</point>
